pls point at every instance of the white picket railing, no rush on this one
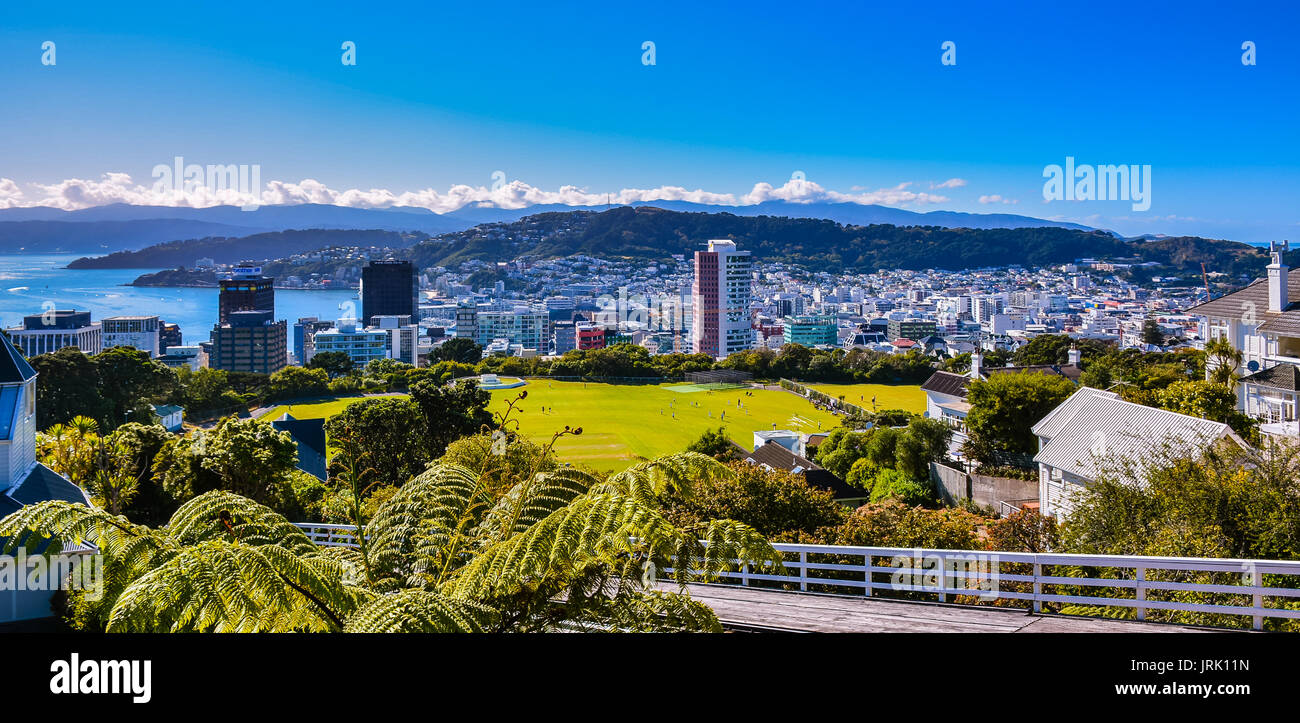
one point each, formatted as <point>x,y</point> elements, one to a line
<point>330,535</point>
<point>971,574</point>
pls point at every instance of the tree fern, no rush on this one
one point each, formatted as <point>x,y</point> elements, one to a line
<point>417,611</point>
<point>218,586</point>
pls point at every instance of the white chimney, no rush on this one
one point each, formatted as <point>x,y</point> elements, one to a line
<point>1277,277</point>
<point>1074,355</point>
<point>976,360</point>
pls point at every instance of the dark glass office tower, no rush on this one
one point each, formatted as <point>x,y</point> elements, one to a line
<point>389,288</point>
<point>245,293</point>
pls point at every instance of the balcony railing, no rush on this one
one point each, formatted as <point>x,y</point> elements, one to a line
<point>1242,587</point>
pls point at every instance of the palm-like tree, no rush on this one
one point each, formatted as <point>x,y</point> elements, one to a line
<point>1222,361</point>
<point>558,548</point>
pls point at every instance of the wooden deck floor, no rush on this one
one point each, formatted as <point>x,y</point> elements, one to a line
<point>748,608</point>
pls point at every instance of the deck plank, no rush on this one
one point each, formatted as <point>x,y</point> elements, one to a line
<point>810,612</point>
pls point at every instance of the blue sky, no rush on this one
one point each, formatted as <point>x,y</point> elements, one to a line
<point>556,95</point>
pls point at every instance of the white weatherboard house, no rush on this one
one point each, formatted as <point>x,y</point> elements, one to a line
<point>1262,321</point>
<point>1091,429</point>
<point>23,480</point>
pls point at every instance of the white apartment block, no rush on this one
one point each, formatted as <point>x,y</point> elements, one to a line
<point>519,326</point>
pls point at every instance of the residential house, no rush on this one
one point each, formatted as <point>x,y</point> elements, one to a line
<point>1262,322</point>
<point>1094,432</point>
<point>170,416</point>
<point>23,480</point>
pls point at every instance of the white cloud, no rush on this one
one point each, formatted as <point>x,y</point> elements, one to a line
<point>77,193</point>
<point>995,198</point>
<point>950,183</point>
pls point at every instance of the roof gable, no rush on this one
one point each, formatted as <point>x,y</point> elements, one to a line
<point>13,365</point>
<point>948,383</point>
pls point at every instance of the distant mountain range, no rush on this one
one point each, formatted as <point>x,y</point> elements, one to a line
<point>123,227</point>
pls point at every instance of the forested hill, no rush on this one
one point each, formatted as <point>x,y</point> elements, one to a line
<point>653,233</point>
<point>258,247</point>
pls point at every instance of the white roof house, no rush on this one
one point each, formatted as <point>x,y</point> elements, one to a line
<point>1094,431</point>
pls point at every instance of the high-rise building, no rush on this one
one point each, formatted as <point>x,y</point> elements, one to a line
<point>467,320</point>
<point>250,341</point>
<point>141,332</point>
<point>720,300</point>
<point>55,329</point>
<point>169,335</point>
<point>590,336</point>
<point>563,337</point>
<point>245,290</point>
<point>389,288</point>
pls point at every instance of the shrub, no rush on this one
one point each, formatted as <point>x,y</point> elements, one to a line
<point>894,524</point>
<point>892,484</point>
<point>771,502</point>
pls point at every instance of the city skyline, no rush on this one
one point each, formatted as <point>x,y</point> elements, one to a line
<point>452,109</point>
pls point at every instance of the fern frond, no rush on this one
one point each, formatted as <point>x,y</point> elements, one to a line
<point>220,586</point>
<point>714,548</point>
<point>528,502</point>
<point>222,515</point>
<point>647,611</point>
<point>648,481</point>
<point>417,611</point>
<point>62,524</point>
<point>606,529</point>
<point>420,533</point>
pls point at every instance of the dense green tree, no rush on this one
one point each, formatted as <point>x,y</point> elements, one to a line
<point>1055,349</point>
<point>152,504</point>
<point>715,444</point>
<point>99,464</point>
<point>129,381</point>
<point>773,502</point>
<point>335,363</point>
<point>450,412</point>
<point>895,484</point>
<point>894,524</point>
<point>247,457</point>
<point>459,349</point>
<point>1004,408</point>
<point>389,431</point>
<point>67,385</point>
<point>924,441</point>
<point>1151,333</point>
<point>299,382</point>
<point>1208,400</point>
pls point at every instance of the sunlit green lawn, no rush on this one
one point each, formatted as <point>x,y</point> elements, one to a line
<point>888,396</point>
<point>623,424</point>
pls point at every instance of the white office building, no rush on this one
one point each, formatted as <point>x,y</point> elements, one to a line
<point>141,332</point>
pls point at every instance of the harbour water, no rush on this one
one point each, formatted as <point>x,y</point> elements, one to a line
<point>28,281</point>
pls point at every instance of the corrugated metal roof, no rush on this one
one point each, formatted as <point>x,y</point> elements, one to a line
<point>1103,429</point>
<point>1050,425</point>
